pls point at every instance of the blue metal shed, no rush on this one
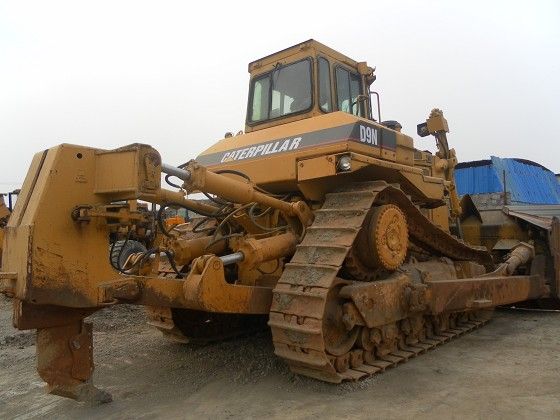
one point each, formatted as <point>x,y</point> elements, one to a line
<point>526,182</point>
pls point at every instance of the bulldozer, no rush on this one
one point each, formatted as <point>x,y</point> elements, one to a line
<point>4,216</point>
<point>5,211</point>
<point>320,222</point>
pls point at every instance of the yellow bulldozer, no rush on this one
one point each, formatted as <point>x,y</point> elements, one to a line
<point>5,211</point>
<point>4,216</point>
<point>320,220</point>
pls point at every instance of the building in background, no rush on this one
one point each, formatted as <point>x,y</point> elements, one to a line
<point>507,181</point>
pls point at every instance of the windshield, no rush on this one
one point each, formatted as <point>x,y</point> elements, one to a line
<point>284,91</point>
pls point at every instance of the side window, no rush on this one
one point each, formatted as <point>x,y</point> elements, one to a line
<point>343,89</point>
<point>260,99</point>
<point>348,87</point>
<point>354,93</point>
<point>324,85</point>
<point>280,92</point>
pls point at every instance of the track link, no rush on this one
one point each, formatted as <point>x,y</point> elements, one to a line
<point>299,302</point>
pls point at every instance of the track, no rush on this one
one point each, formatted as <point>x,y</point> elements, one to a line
<point>305,299</point>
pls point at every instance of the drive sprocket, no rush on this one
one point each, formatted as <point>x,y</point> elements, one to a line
<point>381,244</point>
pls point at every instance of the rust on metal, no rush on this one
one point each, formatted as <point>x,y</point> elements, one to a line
<point>461,294</point>
<point>28,316</point>
<point>65,361</point>
<point>205,289</point>
<point>329,223</point>
<point>307,325</point>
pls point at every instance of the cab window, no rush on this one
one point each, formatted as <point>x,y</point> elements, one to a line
<point>283,91</point>
<point>348,88</point>
<point>260,99</point>
<point>324,85</point>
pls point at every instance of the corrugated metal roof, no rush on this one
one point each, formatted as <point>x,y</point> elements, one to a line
<point>526,182</point>
<point>477,180</point>
<point>536,215</point>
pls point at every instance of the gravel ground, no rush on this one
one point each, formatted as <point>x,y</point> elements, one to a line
<point>508,369</point>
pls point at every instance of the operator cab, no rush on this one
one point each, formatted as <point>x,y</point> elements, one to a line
<point>303,81</point>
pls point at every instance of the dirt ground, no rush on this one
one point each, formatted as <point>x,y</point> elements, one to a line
<point>508,369</point>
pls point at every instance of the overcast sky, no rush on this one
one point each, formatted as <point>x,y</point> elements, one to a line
<point>174,74</point>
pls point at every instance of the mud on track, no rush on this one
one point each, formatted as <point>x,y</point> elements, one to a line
<point>508,369</point>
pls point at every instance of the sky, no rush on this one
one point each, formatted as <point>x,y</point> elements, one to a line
<point>173,74</point>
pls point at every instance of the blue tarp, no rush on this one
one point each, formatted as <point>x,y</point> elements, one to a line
<point>526,182</point>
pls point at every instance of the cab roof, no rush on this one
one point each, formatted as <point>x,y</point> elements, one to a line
<point>310,44</point>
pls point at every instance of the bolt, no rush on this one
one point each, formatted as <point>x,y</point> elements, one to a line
<point>375,336</point>
<point>348,321</point>
<point>76,344</point>
<point>425,276</point>
<point>216,265</point>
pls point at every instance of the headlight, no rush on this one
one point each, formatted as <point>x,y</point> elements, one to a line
<point>344,164</point>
